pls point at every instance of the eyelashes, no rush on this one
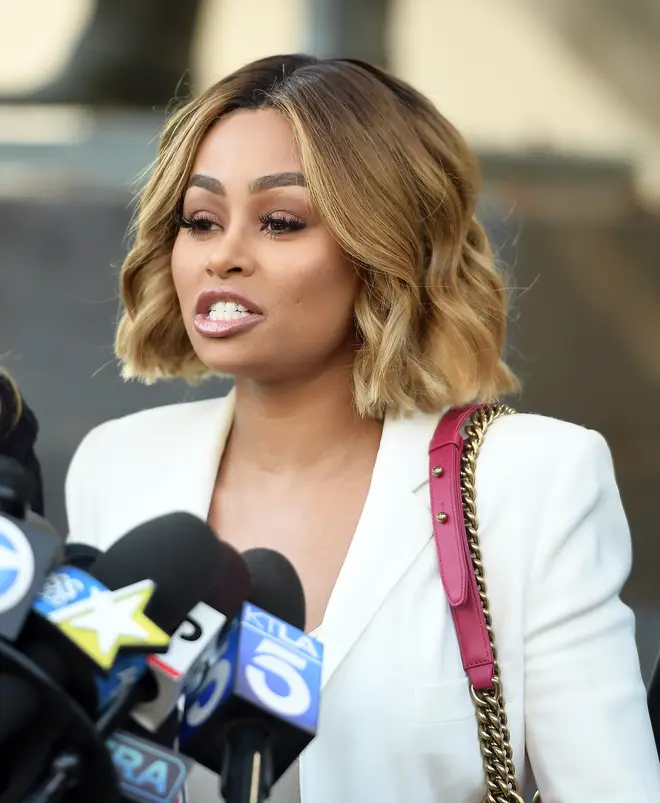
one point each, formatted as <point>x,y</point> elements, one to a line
<point>196,226</point>
<point>281,223</point>
<point>274,224</point>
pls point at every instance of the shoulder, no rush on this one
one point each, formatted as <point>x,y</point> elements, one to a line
<point>529,440</point>
<point>520,453</point>
<point>539,431</point>
<point>543,465</point>
<point>114,455</point>
<point>146,424</point>
<point>541,484</point>
<point>552,529</point>
<point>522,443</point>
<point>143,430</point>
<point>547,489</point>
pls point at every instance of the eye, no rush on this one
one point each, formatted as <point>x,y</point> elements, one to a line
<point>199,224</point>
<point>276,224</point>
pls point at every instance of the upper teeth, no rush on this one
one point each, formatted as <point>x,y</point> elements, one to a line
<point>227,310</point>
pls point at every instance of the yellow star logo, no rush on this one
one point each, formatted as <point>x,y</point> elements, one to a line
<point>107,620</point>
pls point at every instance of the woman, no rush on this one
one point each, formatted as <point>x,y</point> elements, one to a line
<point>309,230</point>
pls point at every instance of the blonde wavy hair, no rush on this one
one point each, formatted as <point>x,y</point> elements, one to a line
<point>14,403</point>
<point>396,185</point>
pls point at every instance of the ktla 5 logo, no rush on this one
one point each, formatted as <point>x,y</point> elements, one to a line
<point>265,661</point>
<point>285,665</point>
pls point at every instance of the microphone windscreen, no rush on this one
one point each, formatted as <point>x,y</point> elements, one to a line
<point>232,583</point>
<point>178,552</point>
<point>276,587</point>
<point>15,481</point>
<point>82,556</point>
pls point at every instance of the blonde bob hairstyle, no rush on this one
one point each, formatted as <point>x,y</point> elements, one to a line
<point>11,403</point>
<point>397,187</point>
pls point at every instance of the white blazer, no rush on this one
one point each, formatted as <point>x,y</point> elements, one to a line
<point>397,721</point>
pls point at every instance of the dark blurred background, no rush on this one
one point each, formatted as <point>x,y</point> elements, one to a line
<point>560,99</point>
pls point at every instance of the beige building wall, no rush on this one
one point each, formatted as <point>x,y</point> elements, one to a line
<point>496,69</point>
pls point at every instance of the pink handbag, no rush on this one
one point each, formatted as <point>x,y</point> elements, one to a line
<point>453,456</point>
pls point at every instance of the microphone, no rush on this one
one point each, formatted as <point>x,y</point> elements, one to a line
<point>177,554</point>
<point>193,648</point>
<point>258,706</point>
<point>653,700</point>
<point>137,593</point>
<point>81,556</point>
<point>147,772</point>
<point>18,435</point>
<point>29,548</point>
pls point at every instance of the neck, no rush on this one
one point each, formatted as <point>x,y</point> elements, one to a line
<point>289,427</point>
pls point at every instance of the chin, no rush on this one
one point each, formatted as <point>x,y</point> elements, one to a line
<point>264,363</point>
<point>226,366</point>
<point>233,362</point>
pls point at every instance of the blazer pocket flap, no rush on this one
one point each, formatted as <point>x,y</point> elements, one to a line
<point>443,702</point>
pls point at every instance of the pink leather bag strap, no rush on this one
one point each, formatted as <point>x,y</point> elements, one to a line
<point>451,542</point>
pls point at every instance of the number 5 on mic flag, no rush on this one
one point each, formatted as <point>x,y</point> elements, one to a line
<point>264,664</point>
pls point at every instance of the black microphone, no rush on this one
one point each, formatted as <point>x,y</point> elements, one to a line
<point>81,556</point>
<point>76,628</point>
<point>29,548</point>
<point>193,648</point>
<point>257,709</point>
<point>145,763</point>
<point>147,772</point>
<point>18,435</point>
<point>653,700</point>
<point>150,578</point>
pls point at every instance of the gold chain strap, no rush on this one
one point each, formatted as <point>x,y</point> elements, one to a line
<point>494,737</point>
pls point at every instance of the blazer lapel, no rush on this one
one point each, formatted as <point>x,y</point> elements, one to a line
<point>204,443</point>
<point>394,528</point>
<point>190,457</point>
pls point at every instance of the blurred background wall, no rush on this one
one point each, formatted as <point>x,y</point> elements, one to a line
<point>560,98</point>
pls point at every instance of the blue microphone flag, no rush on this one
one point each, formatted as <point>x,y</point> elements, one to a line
<point>266,663</point>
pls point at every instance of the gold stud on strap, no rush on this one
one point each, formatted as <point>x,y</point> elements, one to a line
<point>441,517</point>
<point>438,471</point>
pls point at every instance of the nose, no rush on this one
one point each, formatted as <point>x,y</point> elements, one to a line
<point>229,256</point>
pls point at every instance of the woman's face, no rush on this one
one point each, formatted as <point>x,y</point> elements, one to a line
<point>265,291</point>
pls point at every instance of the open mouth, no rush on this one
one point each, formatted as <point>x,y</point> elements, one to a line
<point>221,312</point>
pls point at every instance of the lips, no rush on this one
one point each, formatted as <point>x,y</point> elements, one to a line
<point>221,313</point>
<point>210,297</point>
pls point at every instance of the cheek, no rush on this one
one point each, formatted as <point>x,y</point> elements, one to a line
<point>322,294</point>
<point>323,275</point>
<point>181,276</point>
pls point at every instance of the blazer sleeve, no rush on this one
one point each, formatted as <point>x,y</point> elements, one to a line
<point>81,488</point>
<point>588,732</point>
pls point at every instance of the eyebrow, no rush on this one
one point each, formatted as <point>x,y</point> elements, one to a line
<point>261,184</point>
